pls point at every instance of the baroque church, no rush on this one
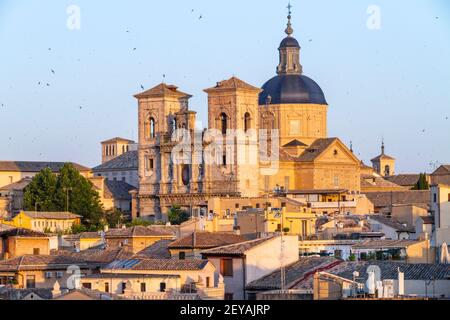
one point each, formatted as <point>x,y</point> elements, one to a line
<point>291,103</point>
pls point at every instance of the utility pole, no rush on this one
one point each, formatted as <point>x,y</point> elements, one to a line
<point>67,189</point>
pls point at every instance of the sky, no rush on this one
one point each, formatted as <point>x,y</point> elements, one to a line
<point>383,65</point>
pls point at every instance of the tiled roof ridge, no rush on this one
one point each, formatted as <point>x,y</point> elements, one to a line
<point>312,272</point>
<point>262,240</point>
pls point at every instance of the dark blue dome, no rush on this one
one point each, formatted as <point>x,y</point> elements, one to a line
<point>289,42</point>
<point>292,88</point>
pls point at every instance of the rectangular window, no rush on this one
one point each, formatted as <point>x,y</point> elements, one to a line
<point>48,275</point>
<point>59,274</point>
<point>304,228</point>
<point>448,197</point>
<point>336,181</point>
<point>226,267</point>
<point>106,286</point>
<point>228,296</point>
<point>208,282</point>
<point>338,254</point>
<point>124,286</point>
<point>266,183</point>
<point>434,197</point>
<point>162,287</point>
<point>31,282</point>
<point>36,251</point>
<point>149,164</point>
<point>286,183</point>
<point>294,127</point>
<point>143,287</point>
<point>87,285</point>
<point>181,255</point>
<point>224,159</point>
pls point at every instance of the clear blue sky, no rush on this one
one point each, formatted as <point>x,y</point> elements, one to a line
<point>392,82</point>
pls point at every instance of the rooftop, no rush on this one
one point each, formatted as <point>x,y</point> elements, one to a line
<point>293,273</point>
<point>399,227</point>
<point>36,166</point>
<point>140,264</point>
<point>140,231</point>
<point>407,180</point>
<point>158,250</point>
<point>20,232</point>
<point>18,185</point>
<point>118,190</point>
<point>162,90</point>
<point>63,215</point>
<point>237,249</point>
<point>126,161</point>
<point>385,244</point>
<point>117,139</point>
<point>233,83</point>
<point>40,262</point>
<point>387,198</point>
<point>389,270</point>
<point>204,240</point>
<point>97,256</point>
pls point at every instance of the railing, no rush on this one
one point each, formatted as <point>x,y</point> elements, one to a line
<point>334,204</point>
<point>161,296</point>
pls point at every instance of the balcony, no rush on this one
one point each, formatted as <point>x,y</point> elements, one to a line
<point>333,205</point>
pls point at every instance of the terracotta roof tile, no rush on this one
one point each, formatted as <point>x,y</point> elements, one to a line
<point>162,89</point>
<point>140,231</point>
<point>293,273</point>
<point>126,161</point>
<point>36,166</point>
<point>118,190</point>
<point>40,262</point>
<point>157,264</point>
<point>315,149</point>
<point>20,232</point>
<point>206,240</point>
<point>233,83</point>
<point>237,249</point>
<point>51,215</point>
<point>158,250</point>
<point>386,198</point>
<point>404,179</point>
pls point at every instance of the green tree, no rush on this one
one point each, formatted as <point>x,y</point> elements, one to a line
<point>422,183</point>
<point>76,194</point>
<point>114,217</point>
<point>40,193</point>
<point>68,190</point>
<point>177,216</point>
<point>139,222</point>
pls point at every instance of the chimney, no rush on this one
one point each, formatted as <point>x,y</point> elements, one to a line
<point>401,283</point>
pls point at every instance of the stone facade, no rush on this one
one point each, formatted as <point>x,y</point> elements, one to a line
<point>278,134</point>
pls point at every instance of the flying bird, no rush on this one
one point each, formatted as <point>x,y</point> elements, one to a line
<point>142,87</point>
<point>53,71</point>
<point>200,17</point>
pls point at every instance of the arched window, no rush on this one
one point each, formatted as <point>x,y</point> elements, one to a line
<point>387,171</point>
<point>247,121</point>
<point>151,128</point>
<point>223,123</point>
<point>174,124</point>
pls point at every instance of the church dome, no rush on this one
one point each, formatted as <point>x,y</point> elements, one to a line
<point>291,88</point>
<point>289,42</point>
